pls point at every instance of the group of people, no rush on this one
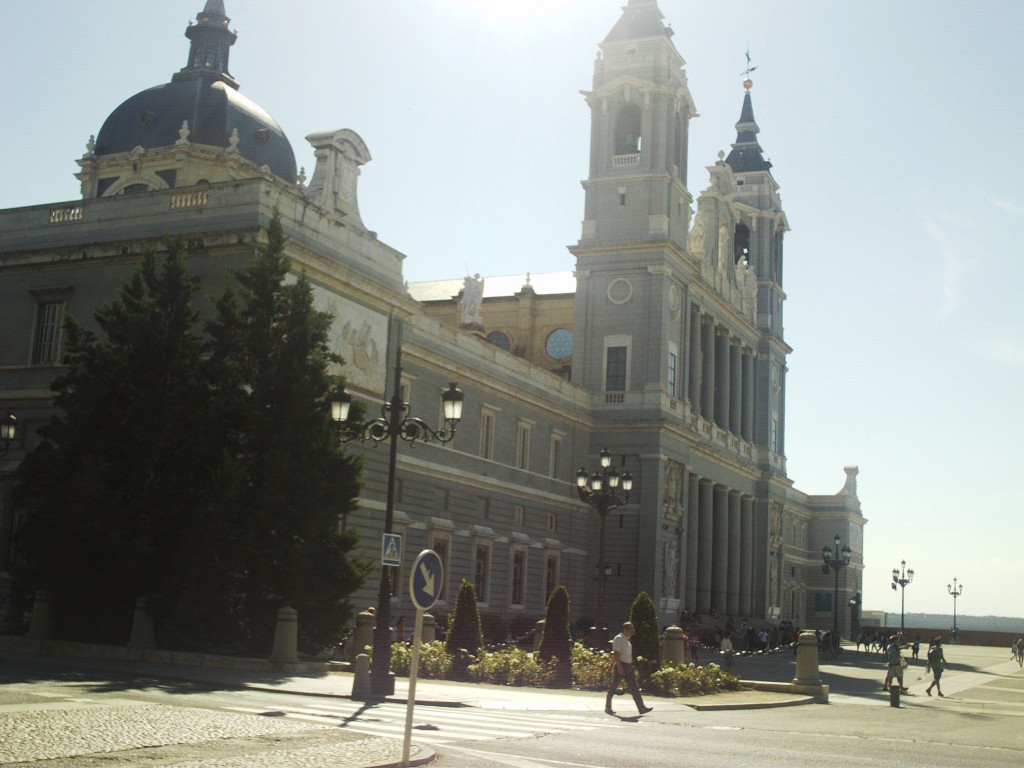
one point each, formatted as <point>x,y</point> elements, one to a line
<point>1017,651</point>
<point>896,663</point>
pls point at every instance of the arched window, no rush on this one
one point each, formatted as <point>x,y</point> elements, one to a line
<point>499,339</point>
<point>741,244</point>
<point>627,129</point>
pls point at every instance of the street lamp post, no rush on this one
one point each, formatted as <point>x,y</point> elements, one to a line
<point>395,422</point>
<point>955,591</point>
<point>902,578</point>
<point>835,560</point>
<point>600,490</point>
<point>8,431</point>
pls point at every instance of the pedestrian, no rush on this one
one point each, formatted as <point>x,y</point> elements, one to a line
<point>895,664</point>
<point>694,645</point>
<point>936,663</point>
<point>916,647</point>
<point>622,669</point>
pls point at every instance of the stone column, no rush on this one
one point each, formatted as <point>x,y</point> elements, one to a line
<point>732,597</point>
<point>748,395</point>
<point>692,540</point>
<point>720,562</point>
<point>705,549</point>
<point>746,554</point>
<point>722,378</point>
<point>707,389</point>
<point>696,361</point>
<point>735,387</point>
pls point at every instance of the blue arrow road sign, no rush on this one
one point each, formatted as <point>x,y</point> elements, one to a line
<point>426,579</point>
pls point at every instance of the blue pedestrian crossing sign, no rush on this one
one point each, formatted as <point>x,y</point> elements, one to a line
<point>426,579</point>
<point>391,550</point>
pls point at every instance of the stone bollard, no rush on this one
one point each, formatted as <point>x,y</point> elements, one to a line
<point>361,682</point>
<point>807,660</point>
<point>143,633</point>
<point>538,634</point>
<point>41,627</point>
<point>363,634</point>
<point>429,631</point>
<point>673,645</point>
<point>286,637</point>
<point>894,693</point>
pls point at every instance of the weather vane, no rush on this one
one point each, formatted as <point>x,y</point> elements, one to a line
<point>747,82</point>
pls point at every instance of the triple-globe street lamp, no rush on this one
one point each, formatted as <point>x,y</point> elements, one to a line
<point>902,578</point>
<point>395,423</point>
<point>835,559</point>
<point>955,591</point>
<point>8,431</point>
<point>600,490</point>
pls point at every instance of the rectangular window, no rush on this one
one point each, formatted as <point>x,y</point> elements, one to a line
<point>482,571</point>
<point>518,576</point>
<point>671,374</point>
<point>440,544</point>
<point>615,370</point>
<point>774,437</point>
<point>523,446</point>
<point>550,577</point>
<point>487,435</point>
<point>46,344</point>
<point>520,516</point>
<point>556,456</point>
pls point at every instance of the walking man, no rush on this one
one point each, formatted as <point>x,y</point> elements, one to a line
<point>936,662</point>
<point>622,669</point>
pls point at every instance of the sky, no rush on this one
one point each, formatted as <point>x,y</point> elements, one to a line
<point>894,128</point>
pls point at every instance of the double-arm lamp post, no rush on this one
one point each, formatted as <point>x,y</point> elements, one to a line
<point>8,431</point>
<point>394,423</point>
<point>955,591</point>
<point>902,578</point>
<point>835,559</point>
<point>600,490</point>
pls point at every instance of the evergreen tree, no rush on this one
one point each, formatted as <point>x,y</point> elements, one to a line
<point>556,643</point>
<point>119,487</point>
<point>465,632</point>
<point>646,638</point>
<point>292,484</point>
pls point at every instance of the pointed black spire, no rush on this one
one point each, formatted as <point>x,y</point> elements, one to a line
<point>211,41</point>
<point>746,153</point>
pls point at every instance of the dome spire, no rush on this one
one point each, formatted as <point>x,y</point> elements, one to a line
<point>211,41</point>
<point>746,154</point>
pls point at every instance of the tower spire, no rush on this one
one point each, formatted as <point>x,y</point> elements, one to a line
<point>746,154</point>
<point>211,41</point>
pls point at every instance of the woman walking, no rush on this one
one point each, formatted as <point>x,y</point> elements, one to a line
<point>936,663</point>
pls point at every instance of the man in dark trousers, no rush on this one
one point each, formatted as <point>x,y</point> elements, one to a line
<point>622,669</point>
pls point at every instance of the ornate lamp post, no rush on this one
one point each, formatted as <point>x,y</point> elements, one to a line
<point>955,591</point>
<point>394,423</point>
<point>835,560</point>
<point>902,578</point>
<point>8,431</point>
<point>600,490</point>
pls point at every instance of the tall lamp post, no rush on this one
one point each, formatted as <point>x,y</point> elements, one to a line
<point>600,490</point>
<point>835,560</point>
<point>394,423</point>
<point>8,430</point>
<point>955,591</point>
<point>902,578</point>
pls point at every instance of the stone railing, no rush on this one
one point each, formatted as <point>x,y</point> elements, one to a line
<point>66,213</point>
<point>189,199</point>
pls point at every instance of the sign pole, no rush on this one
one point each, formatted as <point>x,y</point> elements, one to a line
<point>425,581</point>
<point>417,637</point>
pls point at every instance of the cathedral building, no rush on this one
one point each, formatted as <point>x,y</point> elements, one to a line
<point>665,346</point>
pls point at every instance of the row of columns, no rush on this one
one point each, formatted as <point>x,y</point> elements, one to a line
<point>720,384</point>
<point>719,549</point>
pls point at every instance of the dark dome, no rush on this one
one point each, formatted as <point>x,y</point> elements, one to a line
<point>152,119</point>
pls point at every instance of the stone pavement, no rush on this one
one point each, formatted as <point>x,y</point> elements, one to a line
<point>854,678</point>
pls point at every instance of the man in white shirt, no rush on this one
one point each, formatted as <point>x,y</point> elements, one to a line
<point>622,669</point>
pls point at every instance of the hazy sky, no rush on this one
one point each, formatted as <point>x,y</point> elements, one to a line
<point>895,129</point>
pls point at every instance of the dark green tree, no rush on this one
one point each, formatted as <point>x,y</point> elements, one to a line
<point>556,643</point>
<point>119,487</point>
<point>465,632</point>
<point>646,638</point>
<point>291,484</point>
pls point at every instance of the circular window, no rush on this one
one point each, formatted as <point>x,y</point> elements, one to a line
<point>499,339</point>
<point>620,290</point>
<point>559,344</point>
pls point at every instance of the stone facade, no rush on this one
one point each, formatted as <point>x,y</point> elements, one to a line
<point>666,346</point>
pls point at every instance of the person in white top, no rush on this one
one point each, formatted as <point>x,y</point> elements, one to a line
<point>622,669</point>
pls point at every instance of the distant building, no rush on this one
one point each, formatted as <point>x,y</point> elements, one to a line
<point>665,346</point>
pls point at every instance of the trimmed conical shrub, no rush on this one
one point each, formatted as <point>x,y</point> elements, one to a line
<point>556,643</point>
<point>646,637</point>
<point>465,634</point>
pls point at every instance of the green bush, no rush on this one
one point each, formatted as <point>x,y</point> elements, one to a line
<point>691,680</point>
<point>554,645</point>
<point>646,638</point>
<point>434,661</point>
<point>591,670</point>
<point>512,666</point>
<point>464,631</point>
